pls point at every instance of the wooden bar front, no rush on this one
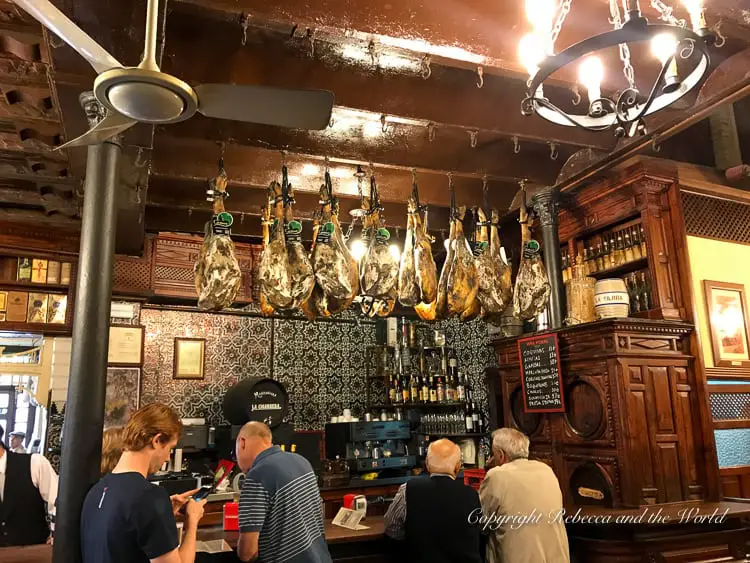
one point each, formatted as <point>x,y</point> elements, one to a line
<point>628,434</point>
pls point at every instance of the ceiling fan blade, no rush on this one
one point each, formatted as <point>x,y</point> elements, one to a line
<point>108,127</point>
<point>298,109</point>
<point>53,19</point>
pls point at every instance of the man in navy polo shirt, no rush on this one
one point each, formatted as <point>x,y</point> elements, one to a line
<point>281,517</point>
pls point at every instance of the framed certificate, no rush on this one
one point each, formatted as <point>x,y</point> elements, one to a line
<point>189,358</point>
<point>125,345</point>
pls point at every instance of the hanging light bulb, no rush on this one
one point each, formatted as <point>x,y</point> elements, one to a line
<point>532,52</point>
<point>697,15</point>
<point>358,249</point>
<point>664,46</point>
<point>395,251</point>
<point>590,75</point>
<point>541,14</point>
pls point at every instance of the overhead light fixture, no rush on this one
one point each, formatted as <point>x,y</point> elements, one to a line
<point>625,114</point>
<point>395,251</point>
<point>311,170</point>
<point>358,249</point>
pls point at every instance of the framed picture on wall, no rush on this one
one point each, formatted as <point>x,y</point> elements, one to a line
<point>726,307</point>
<point>126,345</point>
<point>123,395</point>
<point>189,358</point>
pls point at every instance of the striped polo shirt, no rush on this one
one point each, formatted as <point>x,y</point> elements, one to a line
<point>280,500</point>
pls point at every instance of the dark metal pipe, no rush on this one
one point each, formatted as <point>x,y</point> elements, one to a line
<point>546,205</point>
<point>84,407</point>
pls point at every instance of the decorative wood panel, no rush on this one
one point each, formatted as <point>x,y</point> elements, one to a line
<point>630,404</point>
<point>735,481</point>
<point>132,274</point>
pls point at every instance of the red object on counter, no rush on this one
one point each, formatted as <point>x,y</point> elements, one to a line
<point>231,517</point>
<point>474,477</point>
<point>349,501</point>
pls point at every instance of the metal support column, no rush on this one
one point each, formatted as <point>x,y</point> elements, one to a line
<point>84,407</point>
<point>546,205</point>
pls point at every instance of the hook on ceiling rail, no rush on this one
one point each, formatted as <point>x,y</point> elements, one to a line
<point>383,123</point>
<point>244,23</point>
<point>576,95</point>
<point>426,68</point>
<point>473,136</point>
<point>553,154</point>
<point>311,39</point>
<point>480,76</point>
<point>516,145</point>
<point>430,131</point>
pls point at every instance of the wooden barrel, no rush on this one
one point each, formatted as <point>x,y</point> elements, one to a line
<point>256,399</point>
<point>611,299</point>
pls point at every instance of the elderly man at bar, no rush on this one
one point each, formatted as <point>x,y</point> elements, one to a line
<point>28,490</point>
<point>126,519</point>
<point>520,498</point>
<point>434,516</point>
<point>281,512</point>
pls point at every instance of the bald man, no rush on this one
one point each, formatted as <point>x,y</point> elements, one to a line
<point>281,517</point>
<point>433,516</point>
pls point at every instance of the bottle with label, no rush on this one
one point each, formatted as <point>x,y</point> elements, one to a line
<point>619,251</point>
<point>433,390</point>
<point>294,448</point>
<point>414,389</point>
<point>475,417</point>
<point>425,391</point>
<point>440,390</point>
<point>646,301</point>
<point>468,419</point>
<point>460,388</point>
<point>591,266</point>
<point>452,363</point>
<point>629,257</point>
<point>397,394</point>
<point>449,389</point>
<point>632,284</point>
<point>599,258</point>
<point>636,244</point>
<point>405,389</point>
<point>564,265</point>
<point>606,257</point>
<point>391,390</point>
<point>481,429</point>
<point>644,250</point>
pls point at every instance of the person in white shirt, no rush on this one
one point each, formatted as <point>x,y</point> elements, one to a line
<point>28,491</point>
<point>16,442</point>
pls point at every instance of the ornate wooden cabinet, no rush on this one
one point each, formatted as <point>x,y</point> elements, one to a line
<point>630,433</point>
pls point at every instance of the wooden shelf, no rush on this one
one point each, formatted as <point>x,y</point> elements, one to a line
<point>453,404</point>
<point>619,271</point>
<point>36,328</point>
<point>40,287</point>
<point>452,434</point>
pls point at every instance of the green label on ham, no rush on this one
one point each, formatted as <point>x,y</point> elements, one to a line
<point>325,233</point>
<point>221,224</point>
<point>293,231</point>
<point>531,249</point>
<point>479,248</point>
<point>382,236</point>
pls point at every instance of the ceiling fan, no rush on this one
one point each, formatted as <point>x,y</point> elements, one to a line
<point>144,94</point>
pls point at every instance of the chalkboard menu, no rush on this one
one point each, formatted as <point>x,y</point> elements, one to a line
<point>540,374</point>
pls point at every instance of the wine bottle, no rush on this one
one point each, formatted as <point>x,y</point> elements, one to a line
<point>629,256</point>
<point>425,390</point>
<point>619,251</point>
<point>644,250</point>
<point>564,266</point>
<point>636,244</point>
<point>592,261</point>
<point>391,390</point>
<point>405,389</point>
<point>469,419</point>
<point>450,389</point>
<point>433,390</point>
<point>414,389</point>
<point>452,363</point>
<point>599,258</point>
<point>461,387</point>
<point>646,301</point>
<point>474,417</point>
<point>440,390</point>
<point>607,257</point>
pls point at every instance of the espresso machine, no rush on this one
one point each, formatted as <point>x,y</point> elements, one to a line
<point>377,446</point>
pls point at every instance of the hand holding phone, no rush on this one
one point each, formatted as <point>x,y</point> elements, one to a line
<point>202,493</point>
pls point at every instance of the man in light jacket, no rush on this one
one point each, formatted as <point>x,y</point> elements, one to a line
<point>521,501</point>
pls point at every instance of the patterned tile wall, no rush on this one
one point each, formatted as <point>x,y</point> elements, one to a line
<point>321,364</point>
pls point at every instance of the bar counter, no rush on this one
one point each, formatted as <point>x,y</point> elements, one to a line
<point>364,546</point>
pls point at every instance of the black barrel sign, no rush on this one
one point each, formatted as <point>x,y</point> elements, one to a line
<point>256,399</point>
<point>540,374</point>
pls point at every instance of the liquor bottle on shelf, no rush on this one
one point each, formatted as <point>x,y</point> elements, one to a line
<point>461,388</point>
<point>405,389</point>
<point>433,390</point>
<point>619,251</point>
<point>592,261</point>
<point>644,250</point>
<point>599,258</point>
<point>392,390</point>
<point>585,260</point>
<point>632,284</point>
<point>629,257</point>
<point>646,301</point>
<point>425,390</point>
<point>481,429</point>
<point>475,416</point>
<point>440,390</point>
<point>414,389</point>
<point>637,255</point>
<point>452,363</point>
<point>450,389</point>
<point>468,419</point>
<point>607,256</point>
<point>564,265</point>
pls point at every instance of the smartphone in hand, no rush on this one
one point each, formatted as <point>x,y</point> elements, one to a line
<point>203,493</point>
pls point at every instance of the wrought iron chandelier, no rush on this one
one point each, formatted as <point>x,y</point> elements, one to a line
<point>670,41</point>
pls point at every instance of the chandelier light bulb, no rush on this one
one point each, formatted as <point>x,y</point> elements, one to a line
<point>541,14</point>
<point>590,75</point>
<point>395,251</point>
<point>663,46</point>
<point>697,16</point>
<point>531,52</point>
<point>358,249</point>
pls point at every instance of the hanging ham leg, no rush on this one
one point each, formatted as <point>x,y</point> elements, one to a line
<point>462,283</point>
<point>265,307</point>
<point>425,264</point>
<point>217,273</point>
<point>442,297</point>
<point>532,285</point>
<point>301,272</point>
<point>274,272</point>
<point>409,293</point>
<point>494,274</point>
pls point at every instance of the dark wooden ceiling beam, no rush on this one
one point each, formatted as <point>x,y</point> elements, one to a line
<point>449,97</point>
<point>404,145</point>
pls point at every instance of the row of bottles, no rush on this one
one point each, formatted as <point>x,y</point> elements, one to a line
<point>470,421</point>
<point>639,290</point>
<point>607,251</point>
<point>422,389</point>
